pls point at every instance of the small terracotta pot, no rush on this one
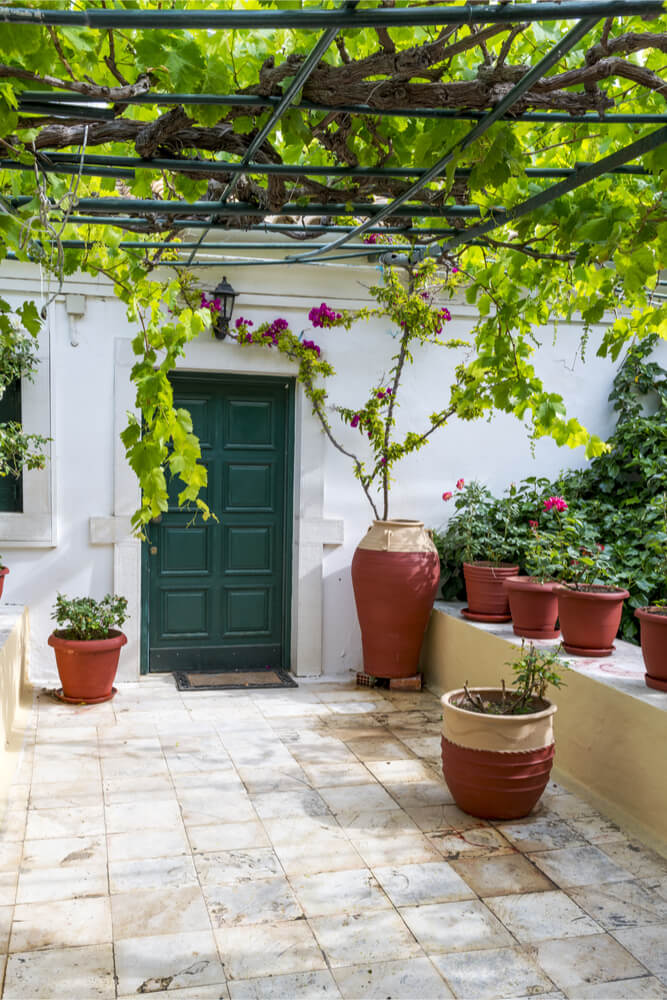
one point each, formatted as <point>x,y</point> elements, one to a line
<point>487,600</point>
<point>589,619</point>
<point>87,667</point>
<point>496,766</point>
<point>653,625</point>
<point>395,574</point>
<point>533,606</point>
<point>3,573</point>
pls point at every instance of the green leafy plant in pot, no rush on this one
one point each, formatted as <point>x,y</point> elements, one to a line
<point>87,645</point>
<point>498,744</point>
<point>484,531</point>
<point>590,604</point>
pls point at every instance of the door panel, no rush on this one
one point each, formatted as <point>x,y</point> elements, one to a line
<point>218,591</point>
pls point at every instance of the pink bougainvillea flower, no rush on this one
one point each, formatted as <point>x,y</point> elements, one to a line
<point>533,524</point>
<point>354,422</point>
<point>556,502</point>
<point>455,270</point>
<point>383,461</point>
<point>460,483</point>
<point>447,495</point>
<point>371,238</point>
<point>310,345</point>
<point>242,321</point>
<point>323,316</point>
<point>381,395</point>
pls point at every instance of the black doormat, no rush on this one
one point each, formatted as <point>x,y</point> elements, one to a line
<point>227,680</point>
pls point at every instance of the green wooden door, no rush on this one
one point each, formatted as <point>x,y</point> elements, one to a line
<point>217,594</point>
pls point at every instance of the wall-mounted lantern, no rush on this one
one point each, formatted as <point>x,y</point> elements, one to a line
<point>225,295</point>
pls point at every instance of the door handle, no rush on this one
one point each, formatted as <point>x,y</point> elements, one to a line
<point>153,550</point>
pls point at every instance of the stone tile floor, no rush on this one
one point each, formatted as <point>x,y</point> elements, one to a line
<point>296,844</point>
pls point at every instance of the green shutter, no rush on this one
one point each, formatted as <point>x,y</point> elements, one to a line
<point>11,487</point>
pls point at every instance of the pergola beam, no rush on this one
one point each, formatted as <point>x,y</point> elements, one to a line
<point>379,17</point>
<point>61,102</point>
<point>124,166</point>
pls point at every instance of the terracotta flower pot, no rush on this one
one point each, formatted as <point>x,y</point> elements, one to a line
<point>653,625</point>
<point>395,574</point>
<point>589,619</point>
<point>533,606</point>
<point>3,573</point>
<point>485,590</point>
<point>496,766</point>
<point>87,668</point>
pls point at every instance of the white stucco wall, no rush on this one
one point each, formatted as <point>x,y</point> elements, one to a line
<point>89,396</point>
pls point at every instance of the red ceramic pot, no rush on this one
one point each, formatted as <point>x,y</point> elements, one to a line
<point>533,606</point>
<point>395,574</point>
<point>653,624</point>
<point>496,766</point>
<point>487,600</point>
<point>87,668</point>
<point>589,619</point>
<point>496,785</point>
<point>3,573</point>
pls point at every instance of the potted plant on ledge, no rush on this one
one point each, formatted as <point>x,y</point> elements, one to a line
<point>87,646</point>
<point>590,605</point>
<point>483,531</point>
<point>498,745</point>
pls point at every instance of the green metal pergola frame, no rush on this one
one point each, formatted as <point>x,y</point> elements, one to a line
<point>69,105</point>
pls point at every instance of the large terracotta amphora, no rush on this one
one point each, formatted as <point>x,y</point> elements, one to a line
<point>395,574</point>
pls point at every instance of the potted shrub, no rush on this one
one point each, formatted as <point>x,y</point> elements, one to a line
<point>483,530</point>
<point>533,598</point>
<point>653,625</point>
<point>590,605</point>
<point>3,573</point>
<point>87,645</point>
<point>497,744</point>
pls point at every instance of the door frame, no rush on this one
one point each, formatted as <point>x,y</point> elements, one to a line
<point>185,375</point>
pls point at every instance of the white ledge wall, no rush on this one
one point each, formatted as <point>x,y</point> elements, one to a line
<point>95,492</point>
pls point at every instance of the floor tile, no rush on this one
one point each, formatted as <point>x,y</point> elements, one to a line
<point>403,980</point>
<point>63,852</point>
<point>350,800</point>
<point>379,749</point>
<point>82,821</point>
<point>65,924</point>
<point>398,771</point>
<point>476,842</point>
<point>260,901</point>
<point>648,988</point>
<point>648,945</point>
<point>200,806</point>
<point>75,973</point>
<point>621,904</point>
<point>492,974</point>
<point>339,892</point>
<point>6,915</point>
<point>65,794</point>
<point>636,859</point>
<point>540,916</point>
<point>76,770</point>
<point>402,849</point>
<point>329,775</point>
<point>573,962</point>
<point>227,867</point>
<point>259,781</point>
<point>167,961</point>
<point>147,844</point>
<point>151,912</point>
<point>419,793</point>
<point>503,873</point>
<point>8,883</point>
<point>227,836</point>
<point>10,856</point>
<point>597,829</point>
<point>440,818</point>
<point>268,950</point>
<point>118,791</point>
<point>573,866</point>
<point>434,882</point>
<point>151,873</point>
<point>128,817</point>
<point>296,986</point>
<point>220,991</point>
<point>461,926</point>
<point>40,885</point>
<point>542,833</point>
<point>356,938</point>
<point>305,802</point>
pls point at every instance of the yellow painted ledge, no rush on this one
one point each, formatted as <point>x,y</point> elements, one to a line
<point>611,746</point>
<point>15,691</point>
